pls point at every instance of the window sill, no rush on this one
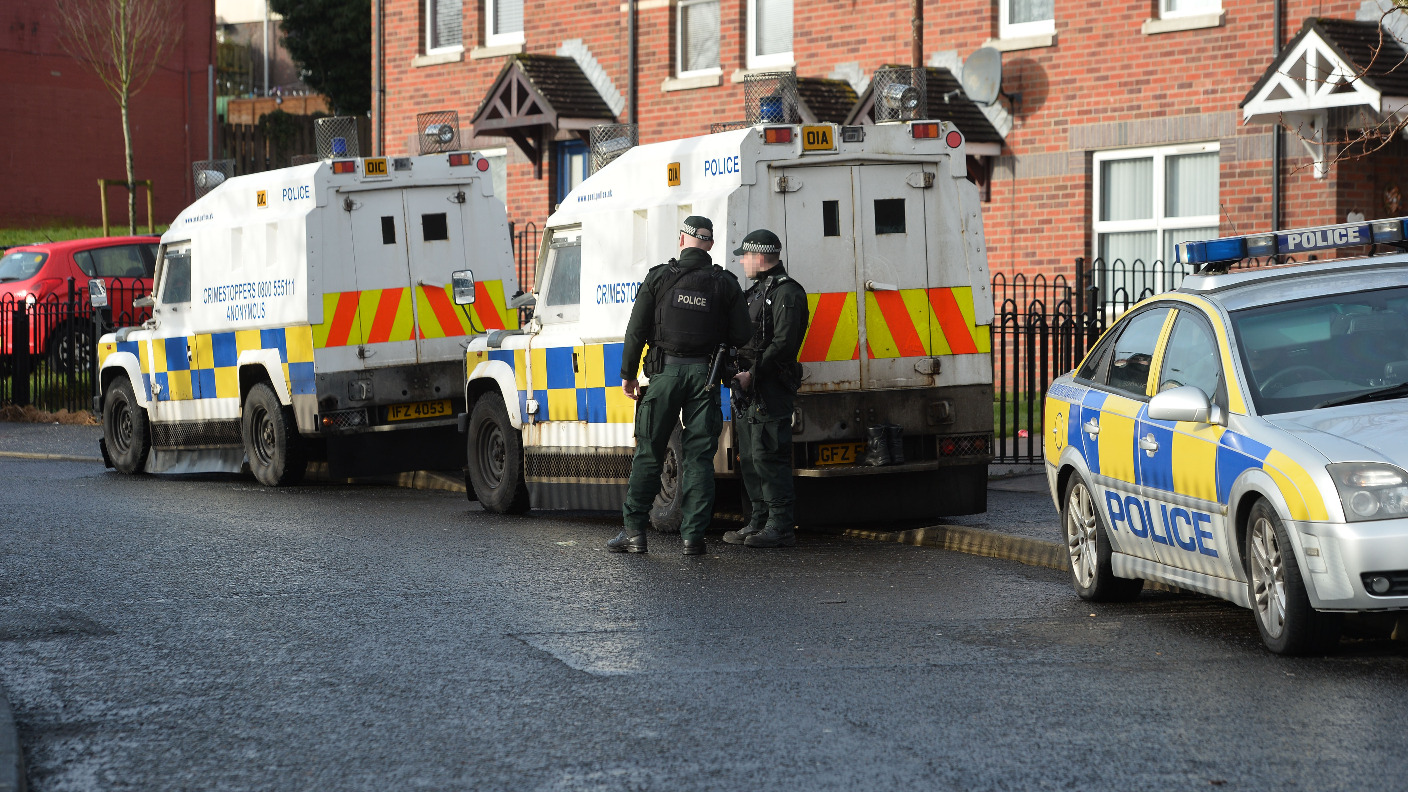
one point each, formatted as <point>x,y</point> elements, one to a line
<point>436,58</point>
<point>647,5</point>
<point>480,53</point>
<point>692,81</point>
<point>1172,25</point>
<point>739,74</point>
<point>1022,42</point>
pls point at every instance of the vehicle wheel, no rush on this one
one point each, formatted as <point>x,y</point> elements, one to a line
<point>1287,622</point>
<point>71,348</point>
<point>125,429</point>
<point>667,513</point>
<point>495,457</point>
<point>271,440</point>
<point>1089,548</point>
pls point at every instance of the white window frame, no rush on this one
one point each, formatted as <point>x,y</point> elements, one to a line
<point>494,39</point>
<point>756,61</point>
<point>679,40</point>
<point>1159,223</point>
<point>1206,7</point>
<point>1010,30</point>
<point>430,49</point>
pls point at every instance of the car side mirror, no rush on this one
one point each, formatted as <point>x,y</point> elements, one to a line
<point>1185,403</point>
<point>98,293</point>
<point>463,284</point>
<point>143,302</point>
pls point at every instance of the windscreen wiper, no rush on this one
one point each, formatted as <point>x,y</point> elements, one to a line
<point>1393,391</point>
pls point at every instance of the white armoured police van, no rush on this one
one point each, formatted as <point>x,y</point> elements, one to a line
<point>310,312</point>
<point>880,225</point>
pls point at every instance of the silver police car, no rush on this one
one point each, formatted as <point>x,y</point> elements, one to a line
<point>1246,436</point>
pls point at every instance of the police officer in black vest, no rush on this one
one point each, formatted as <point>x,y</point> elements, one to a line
<point>685,309</point>
<point>765,392</point>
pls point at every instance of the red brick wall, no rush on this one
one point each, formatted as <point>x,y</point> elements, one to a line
<point>1104,85</point>
<point>62,130</point>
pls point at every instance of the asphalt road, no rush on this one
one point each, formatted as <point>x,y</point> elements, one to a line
<point>160,633</point>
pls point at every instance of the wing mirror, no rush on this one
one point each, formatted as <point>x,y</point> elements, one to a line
<point>1186,403</point>
<point>98,293</point>
<point>463,285</point>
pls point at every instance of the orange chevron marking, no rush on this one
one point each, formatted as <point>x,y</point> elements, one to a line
<point>385,316</point>
<point>822,327</point>
<point>444,312</point>
<point>955,327</point>
<point>343,318</point>
<point>896,316</point>
<point>485,308</point>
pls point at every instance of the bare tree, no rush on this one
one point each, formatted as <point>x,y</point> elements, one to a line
<point>122,42</point>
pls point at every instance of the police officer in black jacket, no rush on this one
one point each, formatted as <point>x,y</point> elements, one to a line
<point>765,392</point>
<point>685,309</point>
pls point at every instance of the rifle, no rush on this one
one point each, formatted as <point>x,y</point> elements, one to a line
<point>715,370</point>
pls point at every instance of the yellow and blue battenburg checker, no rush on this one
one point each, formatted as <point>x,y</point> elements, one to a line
<point>206,366</point>
<point>583,383</point>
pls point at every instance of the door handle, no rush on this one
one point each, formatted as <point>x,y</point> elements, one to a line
<point>1091,428</point>
<point>1148,445</point>
<point>871,285</point>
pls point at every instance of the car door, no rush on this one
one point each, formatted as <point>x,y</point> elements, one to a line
<point>1178,460</point>
<point>171,349</point>
<point>1109,421</point>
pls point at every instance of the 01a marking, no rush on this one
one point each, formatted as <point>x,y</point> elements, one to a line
<point>672,174</point>
<point>261,198</point>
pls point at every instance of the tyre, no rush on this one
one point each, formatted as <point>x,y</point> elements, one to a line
<point>1284,617</point>
<point>495,457</point>
<point>271,440</point>
<point>667,513</point>
<point>71,347</point>
<point>1089,548</point>
<point>125,430</point>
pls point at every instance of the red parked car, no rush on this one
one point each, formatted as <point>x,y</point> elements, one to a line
<point>38,275</point>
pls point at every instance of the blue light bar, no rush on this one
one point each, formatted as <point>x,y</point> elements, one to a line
<point>1306,240</point>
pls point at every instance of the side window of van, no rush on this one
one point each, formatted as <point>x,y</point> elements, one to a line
<point>563,269</point>
<point>176,278</point>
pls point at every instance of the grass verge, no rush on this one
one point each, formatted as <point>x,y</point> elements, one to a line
<point>10,237</point>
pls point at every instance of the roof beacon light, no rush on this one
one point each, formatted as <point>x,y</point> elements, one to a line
<point>344,166</point>
<point>461,158</point>
<point>1307,240</point>
<point>924,131</point>
<point>777,134</point>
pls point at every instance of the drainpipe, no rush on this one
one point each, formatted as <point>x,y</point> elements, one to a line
<point>1277,141</point>
<point>632,66</point>
<point>916,34</point>
<point>381,77</point>
<point>266,47</point>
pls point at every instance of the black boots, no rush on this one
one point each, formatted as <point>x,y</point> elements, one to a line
<point>625,543</point>
<point>741,535</point>
<point>772,536</point>
<point>694,547</point>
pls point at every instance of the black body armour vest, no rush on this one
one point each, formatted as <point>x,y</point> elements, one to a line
<point>689,312</point>
<point>758,298</point>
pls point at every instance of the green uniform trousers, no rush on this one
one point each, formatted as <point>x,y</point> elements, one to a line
<point>765,464</point>
<point>674,396</point>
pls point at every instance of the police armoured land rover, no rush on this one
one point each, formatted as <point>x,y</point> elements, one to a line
<point>309,311</point>
<point>880,225</point>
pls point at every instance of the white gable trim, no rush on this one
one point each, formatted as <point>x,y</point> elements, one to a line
<point>1310,79</point>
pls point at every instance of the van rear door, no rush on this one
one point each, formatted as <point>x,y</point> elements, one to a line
<point>383,331</point>
<point>438,246</point>
<point>857,240</point>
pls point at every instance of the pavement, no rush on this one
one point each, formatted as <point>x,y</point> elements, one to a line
<point>208,633</point>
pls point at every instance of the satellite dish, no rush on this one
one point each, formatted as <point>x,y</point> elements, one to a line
<point>982,75</point>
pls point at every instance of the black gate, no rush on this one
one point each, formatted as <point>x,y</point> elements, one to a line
<point>48,344</point>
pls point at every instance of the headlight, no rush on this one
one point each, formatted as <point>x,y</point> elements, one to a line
<point>1370,491</point>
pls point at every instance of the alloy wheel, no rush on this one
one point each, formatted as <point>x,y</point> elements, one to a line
<point>1081,535</point>
<point>1268,578</point>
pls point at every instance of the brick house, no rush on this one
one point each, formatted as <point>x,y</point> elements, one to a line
<point>62,130</point>
<point>1124,127</point>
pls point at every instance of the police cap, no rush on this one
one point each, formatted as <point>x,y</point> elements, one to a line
<point>760,241</point>
<point>699,227</point>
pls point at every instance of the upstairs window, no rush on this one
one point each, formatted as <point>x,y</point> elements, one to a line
<point>769,33</point>
<point>503,22</point>
<point>1172,9</point>
<point>443,25</point>
<point>698,38</point>
<point>1021,18</point>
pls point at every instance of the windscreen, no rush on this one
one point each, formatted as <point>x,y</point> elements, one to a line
<point>21,265</point>
<point>1318,352</point>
